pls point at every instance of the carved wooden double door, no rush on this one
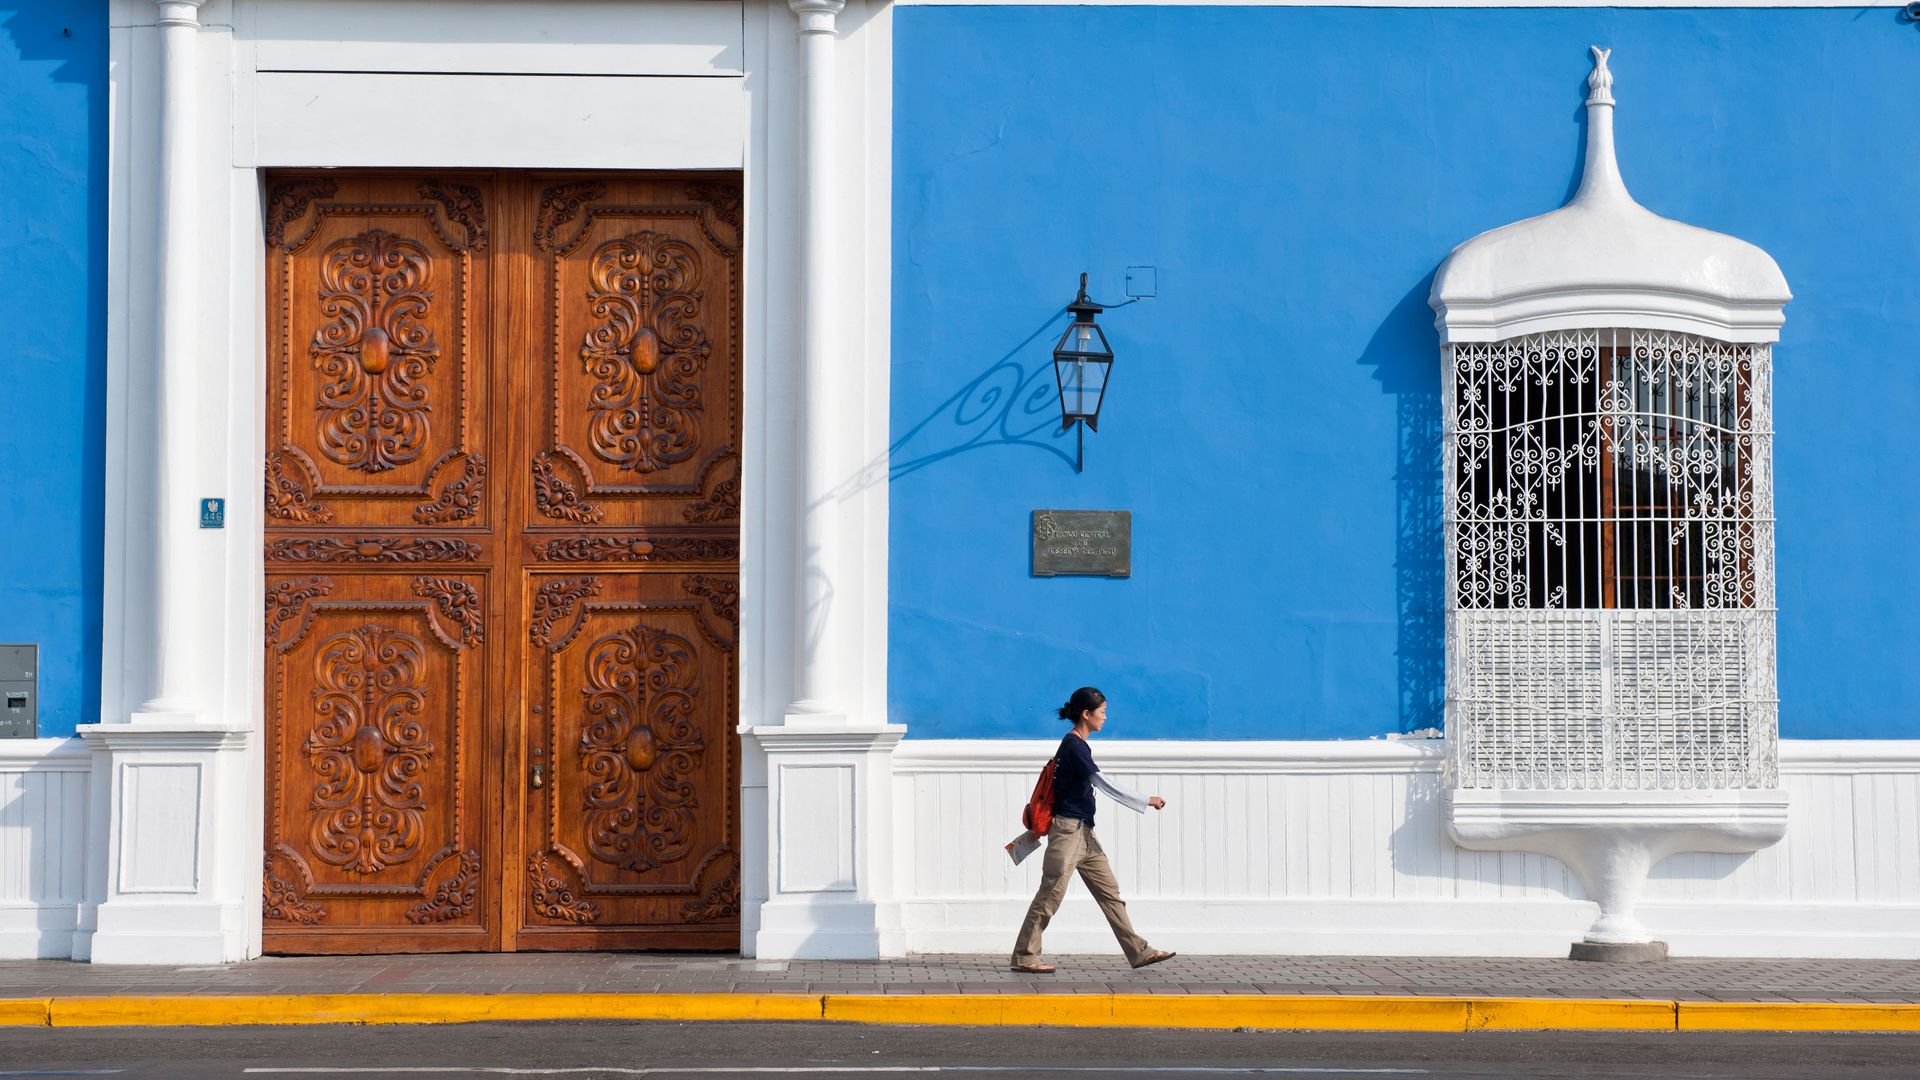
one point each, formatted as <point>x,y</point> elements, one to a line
<point>502,506</point>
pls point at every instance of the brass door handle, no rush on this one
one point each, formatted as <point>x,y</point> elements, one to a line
<point>538,779</point>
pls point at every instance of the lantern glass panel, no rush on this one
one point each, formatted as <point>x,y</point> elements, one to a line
<point>1082,382</point>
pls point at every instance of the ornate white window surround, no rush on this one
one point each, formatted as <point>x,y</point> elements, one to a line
<point>1609,525</point>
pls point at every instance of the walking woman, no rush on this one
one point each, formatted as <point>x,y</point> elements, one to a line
<point>1071,844</point>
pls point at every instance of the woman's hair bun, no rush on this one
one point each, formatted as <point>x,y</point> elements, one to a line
<point>1084,700</point>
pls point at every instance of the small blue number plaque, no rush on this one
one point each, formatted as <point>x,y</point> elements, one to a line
<point>213,513</point>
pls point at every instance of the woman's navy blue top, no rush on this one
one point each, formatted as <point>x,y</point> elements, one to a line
<point>1073,779</point>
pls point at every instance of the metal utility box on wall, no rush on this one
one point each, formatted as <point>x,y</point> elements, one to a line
<point>19,691</point>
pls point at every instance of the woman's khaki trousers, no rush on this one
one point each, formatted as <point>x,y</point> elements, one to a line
<point>1070,847</point>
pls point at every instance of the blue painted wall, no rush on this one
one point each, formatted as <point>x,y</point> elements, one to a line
<point>1296,175</point>
<point>53,207</point>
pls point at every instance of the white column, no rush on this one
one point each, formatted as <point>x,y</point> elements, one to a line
<point>818,627</point>
<point>829,771</point>
<point>170,624</point>
<point>171,790</point>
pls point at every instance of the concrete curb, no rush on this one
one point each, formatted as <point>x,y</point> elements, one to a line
<point>1324,1013</point>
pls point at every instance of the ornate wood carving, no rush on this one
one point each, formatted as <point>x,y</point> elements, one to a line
<point>400,377</point>
<point>368,749</point>
<point>285,901</point>
<point>286,599</point>
<point>555,601</point>
<point>288,204</point>
<point>556,498</point>
<point>639,549</point>
<point>644,349</point>
<point>558,205</point>
<point>462,204</point>
<point>639,745</point>
<point>460,500</point>
<point>721,594</point>
<point>459,603</point>
<point>374,351</point>
<point>456,896</point>
<point>372,549</point>
<point>553,896</point>
<point>720,899</point>
<point>287,497</point>
<point>721,485</point>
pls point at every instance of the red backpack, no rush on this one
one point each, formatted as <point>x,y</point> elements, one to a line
<point>1038,816</point>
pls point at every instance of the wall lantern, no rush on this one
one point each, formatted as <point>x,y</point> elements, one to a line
<point>1081,362</point>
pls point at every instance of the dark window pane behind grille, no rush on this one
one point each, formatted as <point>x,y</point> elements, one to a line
<point>1592,475</point>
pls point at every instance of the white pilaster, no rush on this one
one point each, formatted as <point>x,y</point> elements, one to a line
<point>818,627</point>
<point>170,777</point>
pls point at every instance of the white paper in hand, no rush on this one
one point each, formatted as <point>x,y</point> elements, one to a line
<point>1022,846</point>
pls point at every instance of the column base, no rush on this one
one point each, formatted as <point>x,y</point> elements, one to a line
<point>130,932</point>
<point>1605,952</point>
<point>827,929</point>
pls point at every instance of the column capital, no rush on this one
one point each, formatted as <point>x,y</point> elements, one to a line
<point>817,16</point>
<point>179,12</point>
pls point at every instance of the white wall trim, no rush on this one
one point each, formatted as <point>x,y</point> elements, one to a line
<point>1440,4</point>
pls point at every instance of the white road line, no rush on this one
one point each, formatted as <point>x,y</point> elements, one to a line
<point>826,1069</point>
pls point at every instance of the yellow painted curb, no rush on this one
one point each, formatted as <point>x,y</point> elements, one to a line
<point>1155,1010</point>
<point>25,1012</point>
<point>424,1008</point>
<point>1796,1016</point>
<point>1553,1014</point>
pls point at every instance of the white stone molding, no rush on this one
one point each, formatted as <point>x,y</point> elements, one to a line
<point>830,824</point>
<point>43,846</point>
<point>1605,261</point>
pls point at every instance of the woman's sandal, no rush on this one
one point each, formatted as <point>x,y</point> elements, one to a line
<point>1034,969</point>
<point>1159,955</point>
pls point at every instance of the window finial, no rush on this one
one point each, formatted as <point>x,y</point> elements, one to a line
<point>1600,83</point>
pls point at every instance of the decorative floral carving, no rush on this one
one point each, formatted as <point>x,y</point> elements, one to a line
<point>558,205</point>
<point>288,204</point>
<point>721,900</point>
<point>644,350</point>
<point>458,602</point>
<point>459,500</point>
<point>721,593</point>
<point>369,748</point>
<point>455,897</point>
<point>723,196</point>
<point>287,498</point>
<point>373,351</point>
<point>555,601</point>
<point>286,902</point>
<point>372,549</point>
<point>462,204</point>
<point>640,745</point>
<point>285,599</point>
<point>639,549</point>
<point>552,896</point>
<point>556,498</point>
<point>722,499</point>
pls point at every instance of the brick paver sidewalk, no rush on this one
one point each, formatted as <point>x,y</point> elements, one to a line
<point>1848,981</point>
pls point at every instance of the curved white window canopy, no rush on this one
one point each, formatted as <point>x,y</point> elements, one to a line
<point>1603,260</point>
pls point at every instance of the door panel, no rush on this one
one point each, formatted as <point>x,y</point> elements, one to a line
<point>375,687</point>
<point>436,638</point>
<point>630,796</point>
<point>638,297</point>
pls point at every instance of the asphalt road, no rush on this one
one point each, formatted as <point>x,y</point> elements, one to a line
<point>675,1051</point>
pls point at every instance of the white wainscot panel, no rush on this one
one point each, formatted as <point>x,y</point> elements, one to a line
<point>816,828</point>
<point>43,830</point>
<point>658,37</point>
<point>1342,847</point>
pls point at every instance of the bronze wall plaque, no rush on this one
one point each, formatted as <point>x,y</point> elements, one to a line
<point>1096,543</point>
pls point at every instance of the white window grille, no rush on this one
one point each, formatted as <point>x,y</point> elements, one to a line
<point>1609,526</point>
